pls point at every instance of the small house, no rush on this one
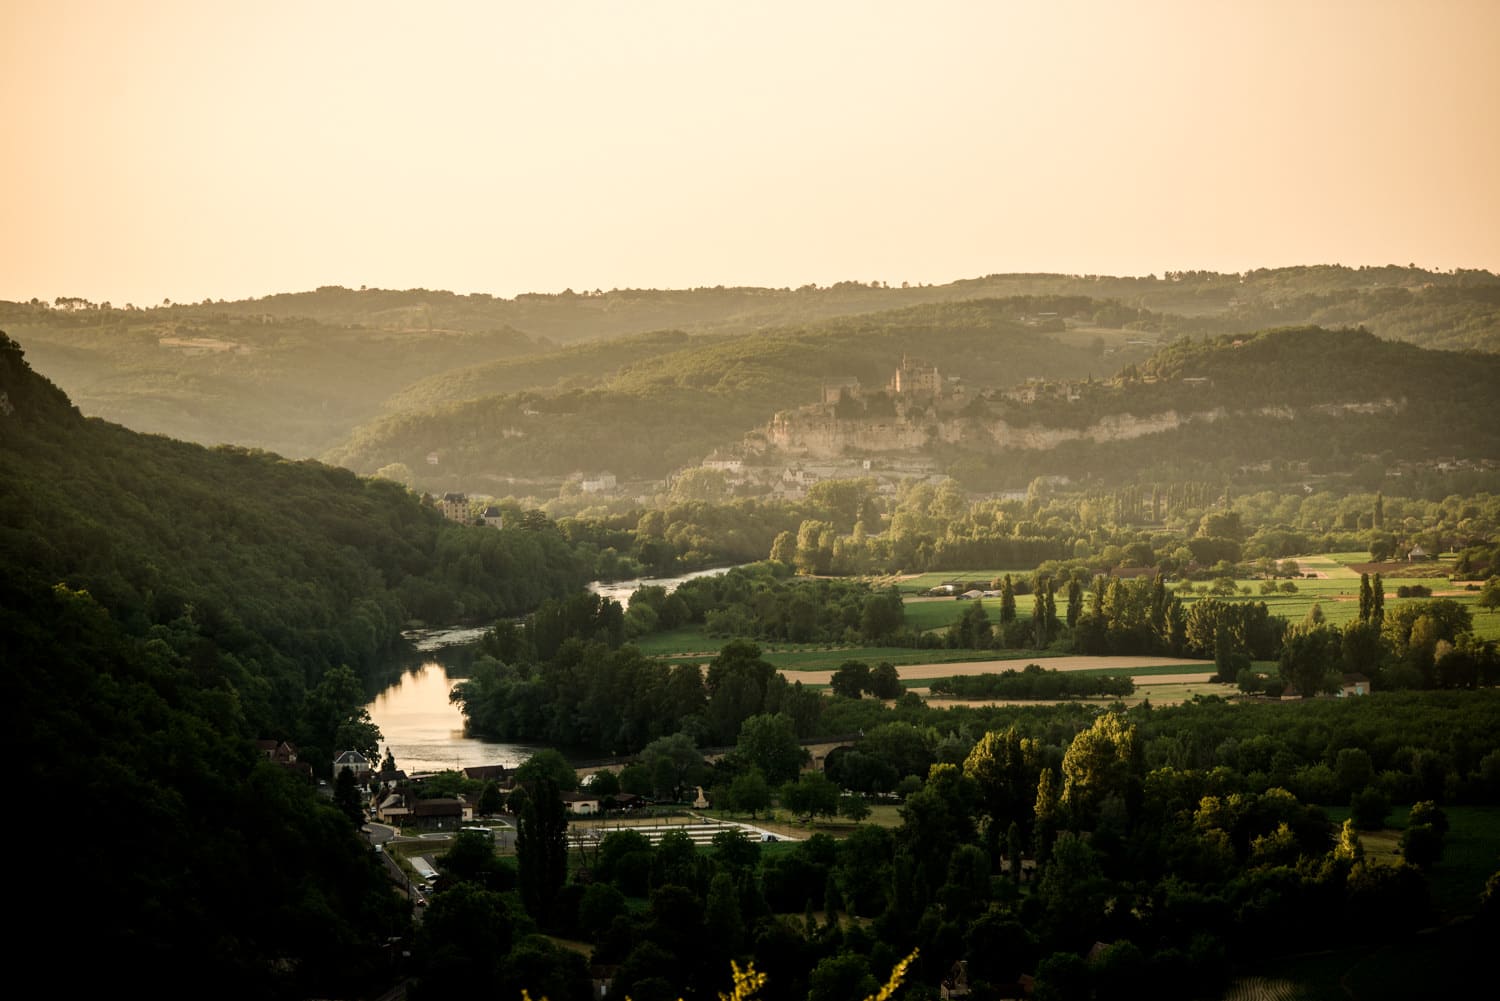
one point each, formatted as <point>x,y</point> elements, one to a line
<point>580,804</point>
<point>352,761</point>
<point>442,812</point>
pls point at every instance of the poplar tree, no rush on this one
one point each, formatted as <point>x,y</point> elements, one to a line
<point>541,847</point>
<point>1007,600</point>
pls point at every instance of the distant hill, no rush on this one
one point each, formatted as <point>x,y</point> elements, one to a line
<point>1037,402</point>
<point>1296,399</point>
<point>672,408</point>
<point>297,373</point>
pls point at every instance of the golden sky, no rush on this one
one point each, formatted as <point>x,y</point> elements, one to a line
<point>213,148</point>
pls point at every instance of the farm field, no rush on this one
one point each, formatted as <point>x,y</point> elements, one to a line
<point>1162,680</point>
<point>931,670</point>
<point>693,643</point>
<point>1335,590</point>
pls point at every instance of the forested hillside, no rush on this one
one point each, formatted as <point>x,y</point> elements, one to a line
<point>164,605</point>
<point>294,567</point>
<point>296,373</point>
<point>671,409</point>
<point>1332,398</point>
<point>290,385</point>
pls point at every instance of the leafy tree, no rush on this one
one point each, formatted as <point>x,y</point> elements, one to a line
<point>750,792</point>
<point>722,917</point>
<point>336,718</point>
<point>882,615</point>
<point>539,964</point>
<point>491,800</point>
<point>769,742</point>
<point>635,778</point>
<point>885,681</point>
<point>676,761</point>
<point>620,858</point>
<point>1489,595</point>
<point>465,937</point>
<point>472,858</point>
<point>603,783</point>
<point>1075,601</point>
<point>1421,845</point>
<point>1102,761</point>
<point>936,819</point>
<point>1369,808</point>
<point>1349,846</point>
<point>1428,812</point>
<point>734,851</point>
<point>972,630</point>
<point>851,679</point>
<point>1004,768</point>
<point>854,807</point>
<point>811,795</point>
<point>838,978</point>
<point>1353,769</point>
<point>547,764</point>
<point>784,549</point>
<point>347,797</point>
<point>1309,659</point>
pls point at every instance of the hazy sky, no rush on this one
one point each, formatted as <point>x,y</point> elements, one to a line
<point>209,148</point>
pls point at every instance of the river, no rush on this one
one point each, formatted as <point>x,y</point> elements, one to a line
<point>621,590</point>
<point>425,731</point>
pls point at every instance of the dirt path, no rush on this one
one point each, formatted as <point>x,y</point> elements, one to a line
<point>918,672</point>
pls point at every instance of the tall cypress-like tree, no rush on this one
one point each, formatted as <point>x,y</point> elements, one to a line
<point>1075,602</point>
<point>1377,600</point>
<point>1007,600</point>
<point>541,847</point>
<point>1366,598</point>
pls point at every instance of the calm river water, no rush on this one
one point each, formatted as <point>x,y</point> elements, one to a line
<point>425,731</point>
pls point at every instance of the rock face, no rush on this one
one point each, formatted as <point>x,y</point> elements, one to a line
<point>816,433</point>
<point>819,435</point>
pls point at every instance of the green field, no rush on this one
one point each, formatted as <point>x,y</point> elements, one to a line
<point>693,643</point>
<point>1337,595</point>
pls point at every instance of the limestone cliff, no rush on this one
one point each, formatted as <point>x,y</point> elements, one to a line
<point>815,433</point>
